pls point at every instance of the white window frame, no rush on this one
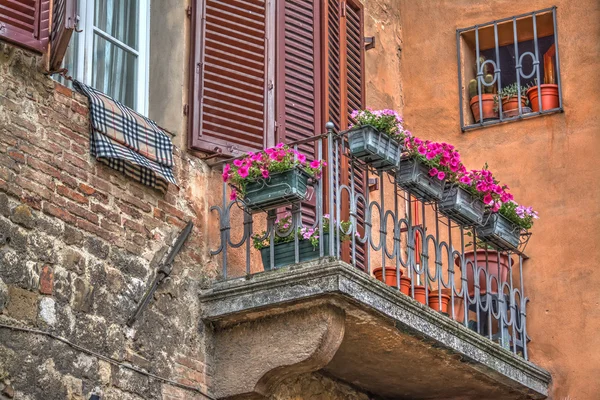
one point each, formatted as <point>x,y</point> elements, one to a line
<point>86,48</point>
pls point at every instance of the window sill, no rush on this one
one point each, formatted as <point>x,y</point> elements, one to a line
<point>511,119</point>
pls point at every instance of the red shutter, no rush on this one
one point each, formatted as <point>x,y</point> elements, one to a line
<point>299,79</point>
<point>228,104</point>
<point>64,20</point>
<point>25,22</point>
<point>345,88</point>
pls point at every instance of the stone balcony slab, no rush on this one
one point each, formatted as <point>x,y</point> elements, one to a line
<point>328,316</point>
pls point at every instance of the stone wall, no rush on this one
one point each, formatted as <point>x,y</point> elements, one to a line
<point>78,244</point>
<point>316,387</point>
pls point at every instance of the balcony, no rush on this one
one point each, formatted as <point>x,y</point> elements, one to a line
<point>385,299</point>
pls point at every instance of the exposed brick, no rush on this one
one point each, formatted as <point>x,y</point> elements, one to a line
<point>95,229</point>
<point>75,171</point>
<point>17,156</point>
<point>82,212</point>
<point>78,149</point>
<point>105,224</point>
<point>46,280</point>
<point>158,213</point>
<point>87,190</point>
<point>170,210</point>
<point>33,187</point>
<point>135,226</point>
<point>63,90</point>
<point>100,184</point>
<point>112,216</point>
<point>58,212</point>
<point>68,180</point>
<point>40,177</point>
<point>79,109</point>
<point>59,140</point>
<point>132,212</point>
<point>76,161</point>
<point>71,194</point>
<point>42,166</point>
<point>190,363</point>
<point>176,221</point>
<point>76,137</point>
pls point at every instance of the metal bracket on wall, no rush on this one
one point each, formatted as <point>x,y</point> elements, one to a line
<point>369,42</point>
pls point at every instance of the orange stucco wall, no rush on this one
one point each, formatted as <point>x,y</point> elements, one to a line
<point>550,162</point>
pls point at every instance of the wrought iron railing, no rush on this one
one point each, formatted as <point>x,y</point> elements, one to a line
<point>521,50</point>
<point>392,230</point>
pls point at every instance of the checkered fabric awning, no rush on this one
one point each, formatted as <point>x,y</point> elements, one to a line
<point>128,141</point>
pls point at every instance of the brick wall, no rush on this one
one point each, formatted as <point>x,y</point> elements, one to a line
<point>78,244</point>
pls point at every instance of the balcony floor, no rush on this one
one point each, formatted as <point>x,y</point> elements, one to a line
<point>330,317</point>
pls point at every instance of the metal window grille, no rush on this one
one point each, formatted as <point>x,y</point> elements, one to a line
<point>521,50</point>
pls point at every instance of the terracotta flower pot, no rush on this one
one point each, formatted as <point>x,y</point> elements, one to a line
<point>390,275</point>
<point>420,294</point>
<point>491,268</point>
<point>434,302</point>
<point>405,285</point>
<point>549,97</point>
<point>512,103</point>
<point>487,106</point>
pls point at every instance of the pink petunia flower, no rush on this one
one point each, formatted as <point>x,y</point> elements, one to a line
<point>243,171</point>
<point>315,164</point>
<point>433,171</point>
<point>441,175</point>
<point>238,163</point>
<point>265,173</point>
<point>233,195</point>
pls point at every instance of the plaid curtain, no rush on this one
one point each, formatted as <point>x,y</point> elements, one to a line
<point>127,141</point>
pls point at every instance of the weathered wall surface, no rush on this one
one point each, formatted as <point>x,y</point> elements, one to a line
<point>550,162</point>
<point>316,387</point>
<point>77,248</point>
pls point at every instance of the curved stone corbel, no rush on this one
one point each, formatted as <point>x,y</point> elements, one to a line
<point>252,357</point>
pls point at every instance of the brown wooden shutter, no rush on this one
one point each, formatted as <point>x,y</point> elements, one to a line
<point>229,76</point>
<point>344,69</point>
<point>64,20</point>
<point>298,72</point>
<point>298,79</point>
<point>25,22</point>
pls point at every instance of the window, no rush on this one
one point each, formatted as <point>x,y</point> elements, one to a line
<point>111,51</point>
<point>509,69</point>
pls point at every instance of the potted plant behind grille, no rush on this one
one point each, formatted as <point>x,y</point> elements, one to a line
<point>465,202</point>
<point>549,89</point>
<point>376,138</point>
<point>426,166</point>
<point>503,228</point>
<point>487,96</point>
<point>510,100</point>
<point>284,246</point>
<point>272,178</point>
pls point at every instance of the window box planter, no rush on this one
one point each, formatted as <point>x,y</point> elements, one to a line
<point>413,176</point>
<point>500,232</point>
<point>461,206</point>
<point>285,255</point>
<point>373,147</point>
<point>278,190</point>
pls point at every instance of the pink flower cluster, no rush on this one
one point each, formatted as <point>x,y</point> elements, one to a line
<point>443,159</point>
<point>489,189</point>
<point>386,121</point>
<point>262,164</point>
<point>525,212</point>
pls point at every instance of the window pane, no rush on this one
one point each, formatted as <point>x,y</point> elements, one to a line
<point>119,19</point>
<point>113,71</point>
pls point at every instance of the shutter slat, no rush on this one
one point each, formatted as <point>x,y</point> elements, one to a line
<point>26,22</point>
<point>228,108</point>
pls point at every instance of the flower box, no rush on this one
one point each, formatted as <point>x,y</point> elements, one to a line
<point>461,206</point>
<point>413,176</point>
<point>284,254</point>
<point>373,147</point>
<point>277,190</point>
<point>500,232</point>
